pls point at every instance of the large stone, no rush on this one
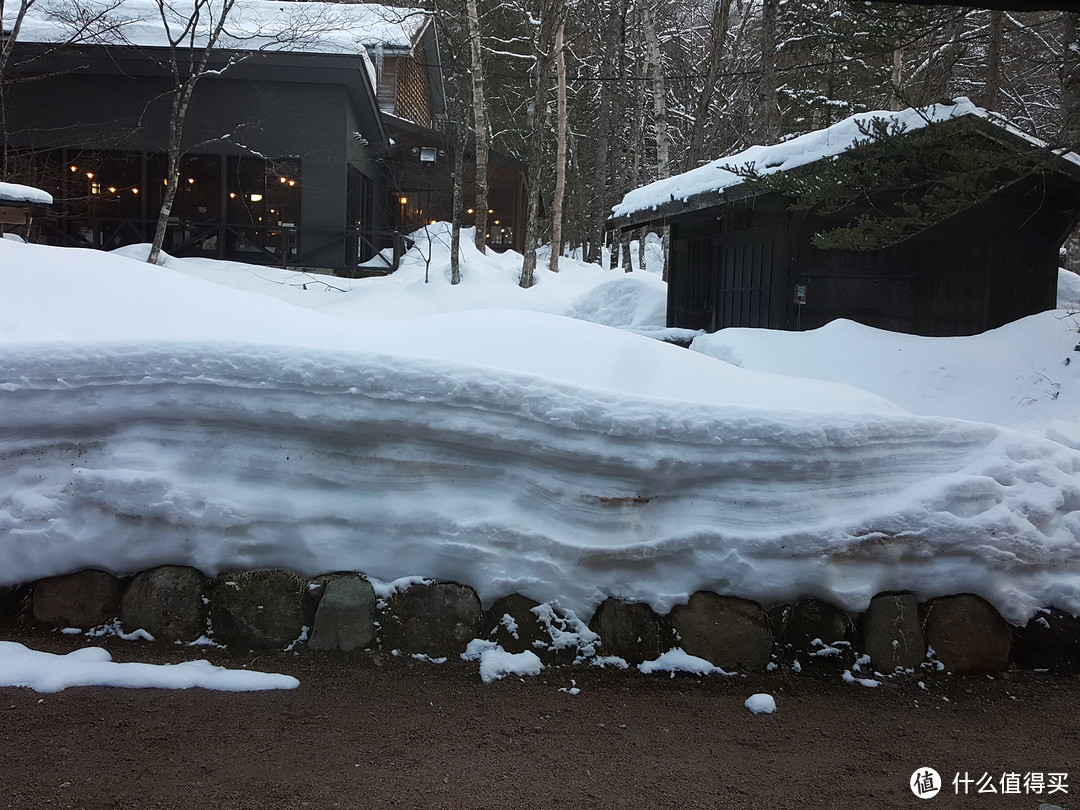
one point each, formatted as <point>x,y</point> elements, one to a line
<point>13,601</point>
<point>1050,640</point>
<point>729,632</point>
<point>438,619</point>
<point>968,635</point>
<point>167,603</point>
<point>891,633</point>
<point>85,599</point>
<point>814,634</point>
<point>260,609</point>
<point>631,631</point>
<point>513,623</point>
<point>345,619</point>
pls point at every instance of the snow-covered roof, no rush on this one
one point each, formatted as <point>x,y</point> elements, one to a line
<point>311,27</point>
<point>799,151</point>
<point>15,193</point>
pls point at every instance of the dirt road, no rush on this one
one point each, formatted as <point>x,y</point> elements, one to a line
<point>366,731</point>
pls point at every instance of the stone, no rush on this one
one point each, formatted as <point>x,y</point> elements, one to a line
<point>727,631</point>
<point>437,619</point>
<point>1050,640</point>
<point>815,634</point>
<point>85,599</point>
<point>891,633</point>
<point>345,619</point>
<point>166,602</point>
<point>968,636</point>
<point>13,601</point>
<point>513,624</point>
<point>631,631</point>
<point>261,609</point>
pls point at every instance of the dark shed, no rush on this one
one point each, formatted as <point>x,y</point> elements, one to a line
<point>740,257</point>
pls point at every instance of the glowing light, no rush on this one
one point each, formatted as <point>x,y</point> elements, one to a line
<point>134,191</point>
<point>469,211</point>
<point>283,179</point>
<point>74,168</point>
<point>404,201</point>
<point>256,198</point>
<point>89,175</point>
<point>232,195</point>
<point>112,189</point>
<point>191,180</point>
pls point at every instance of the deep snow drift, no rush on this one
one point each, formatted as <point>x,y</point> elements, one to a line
<point>153,417</point>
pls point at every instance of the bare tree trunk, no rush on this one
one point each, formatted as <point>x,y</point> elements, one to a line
<point>993,60</point>
<point>458,204</point>
<point>560,155</point>
<point>768,103</point>
<point>552,13</point>
<point>718,32</point>
<point>601,183</point>
<point>480,120</point>
<point>663,160</point>
<point>176,135</point>
<point>897,103</point>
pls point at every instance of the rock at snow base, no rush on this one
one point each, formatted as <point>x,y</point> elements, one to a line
<point>729,632</point>
<point>524,632</point>
<point>345,619</point>
<point>797,627</point>
<point>761,703</point>
<point>85,599</point>
<point>631,631</point>
<point>891,633</point>
<point>968,636</point>
<point>438,619</point>
<point>1050,640</point>
<point>260,609</point>
<point>166,602</point>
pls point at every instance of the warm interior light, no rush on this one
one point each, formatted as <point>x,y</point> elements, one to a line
<point>404,200</point>
<point>468,211</point>
<point>256,197</point>
<point>496,222</point>
<point>432,222</point>
<point>491,210</point>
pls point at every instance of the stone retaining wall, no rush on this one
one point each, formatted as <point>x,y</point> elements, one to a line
<point>960,633</point>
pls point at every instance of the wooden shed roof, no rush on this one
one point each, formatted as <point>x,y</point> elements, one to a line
<point>715,183</point>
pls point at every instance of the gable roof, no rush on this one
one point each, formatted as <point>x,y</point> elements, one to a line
<point>308,27</point>
<point>709,184</point>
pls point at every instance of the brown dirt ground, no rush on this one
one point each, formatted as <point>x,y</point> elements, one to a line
<point>371,731</point>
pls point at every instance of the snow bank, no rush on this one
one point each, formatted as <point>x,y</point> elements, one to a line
<point>178,421</point>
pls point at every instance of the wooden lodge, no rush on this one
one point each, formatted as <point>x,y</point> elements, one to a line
<point>740,257</point>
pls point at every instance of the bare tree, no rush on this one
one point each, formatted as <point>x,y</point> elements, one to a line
<point>480,121</point>
<point>560,154</point>
<point>551,16</point>
<point>188,62</point>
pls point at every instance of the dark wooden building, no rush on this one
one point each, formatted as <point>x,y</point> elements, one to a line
<point>311,150</point>
<point>739,257</point>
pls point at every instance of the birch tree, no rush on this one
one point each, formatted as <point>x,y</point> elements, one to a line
<point>551,14</point>
<point>191,41</point>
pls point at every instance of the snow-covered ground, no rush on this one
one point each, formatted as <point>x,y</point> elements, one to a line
<point>236,417</point>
